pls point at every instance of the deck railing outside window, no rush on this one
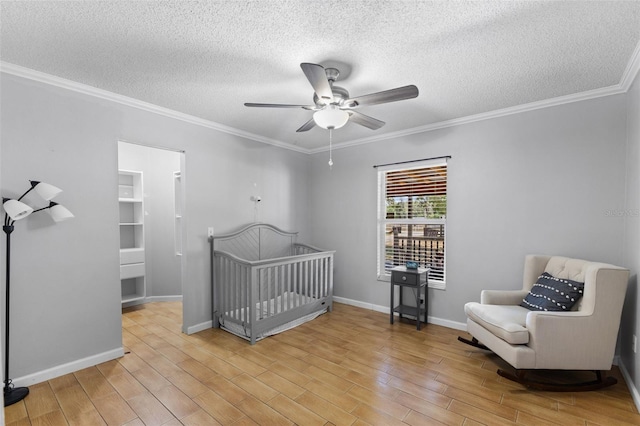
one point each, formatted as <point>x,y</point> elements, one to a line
<point>420,243</point>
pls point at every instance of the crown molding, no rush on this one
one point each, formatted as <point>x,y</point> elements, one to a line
<point>52,80</point>
<point>633,67</point>
<point>561,100</point>
<point>629,75</point>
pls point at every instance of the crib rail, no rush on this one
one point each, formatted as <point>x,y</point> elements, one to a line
<point>259,294</point>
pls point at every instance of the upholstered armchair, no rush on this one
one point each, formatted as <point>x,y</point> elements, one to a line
<point>553,323</point>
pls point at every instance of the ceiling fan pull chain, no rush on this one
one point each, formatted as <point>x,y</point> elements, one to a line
<point>330,148</point>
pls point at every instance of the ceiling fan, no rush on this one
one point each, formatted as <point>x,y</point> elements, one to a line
<point>332,105</point>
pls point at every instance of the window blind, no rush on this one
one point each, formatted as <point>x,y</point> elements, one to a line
<point>414,222</point>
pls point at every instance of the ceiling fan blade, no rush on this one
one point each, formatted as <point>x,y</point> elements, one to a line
<point>392,95</point>
<point>365,120</point>
<point>318,78</point>
<point>251,104</point>
<point>307,126</point>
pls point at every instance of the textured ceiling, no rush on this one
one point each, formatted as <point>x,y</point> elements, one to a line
<point>207,58</point>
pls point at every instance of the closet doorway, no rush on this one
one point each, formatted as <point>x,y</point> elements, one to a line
<point>150,195</point>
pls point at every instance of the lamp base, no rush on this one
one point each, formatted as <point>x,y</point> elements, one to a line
<point>11,396</point>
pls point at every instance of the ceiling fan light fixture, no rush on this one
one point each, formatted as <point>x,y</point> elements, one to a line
<point>331,117</point>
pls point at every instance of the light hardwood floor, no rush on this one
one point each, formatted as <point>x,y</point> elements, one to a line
<point>347,367</point>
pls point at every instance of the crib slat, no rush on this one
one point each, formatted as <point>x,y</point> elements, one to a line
<point>273,286</point>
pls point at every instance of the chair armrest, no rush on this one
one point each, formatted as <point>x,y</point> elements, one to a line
<point>502,297</point>
<point>570,340</point>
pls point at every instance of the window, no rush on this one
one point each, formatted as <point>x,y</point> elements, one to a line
<point>412,218</point>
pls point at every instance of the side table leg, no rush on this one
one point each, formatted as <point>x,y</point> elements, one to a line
<point>418,307</point>
<point>391,305</point>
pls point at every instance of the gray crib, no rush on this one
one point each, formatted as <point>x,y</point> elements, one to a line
<point>263,282</point>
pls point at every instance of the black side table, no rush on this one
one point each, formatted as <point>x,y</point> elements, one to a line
<point>417,279</point>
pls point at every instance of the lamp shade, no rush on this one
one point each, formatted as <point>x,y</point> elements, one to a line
<point>59,213</point>
<point>331,117</point>
<point>16,209</point>
<point>45,190</point>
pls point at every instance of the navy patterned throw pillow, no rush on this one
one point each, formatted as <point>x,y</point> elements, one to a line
<point>553,294</point>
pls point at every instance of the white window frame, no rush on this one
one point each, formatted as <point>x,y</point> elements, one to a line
<point>382,220</point>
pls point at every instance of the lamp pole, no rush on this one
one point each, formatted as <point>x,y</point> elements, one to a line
<point>11,394</point>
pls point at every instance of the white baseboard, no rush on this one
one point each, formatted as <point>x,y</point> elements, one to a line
<point>633,389</point>
<point>359,304</point>
<point>199,327</point>
<point>385,310</point>
<point>150,299</point>
<point>70,367</point>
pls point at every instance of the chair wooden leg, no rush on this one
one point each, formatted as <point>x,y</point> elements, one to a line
<point>473,342</point>
<point>599,383</point>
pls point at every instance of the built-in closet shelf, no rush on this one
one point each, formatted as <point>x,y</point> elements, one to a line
<point>132,254</point>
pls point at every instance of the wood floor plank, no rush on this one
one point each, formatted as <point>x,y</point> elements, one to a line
<point>295,412</point>
<point>326,409</point>
<point>188,384</point>
<point>150,378</point>
<point>494,407</point>
<point>281,384</point>
<point>41,400</point>
<point>114,409</point>
<point>431,411</point>
<point>433,394</point>
<point>255,387</point>
<point>337,398</point>
<point>179,404</point>
<point>150,410</point>
<point>200,418</point>
<point>347,367</point>
<point>53,418</point>
<point>381,398</point>
<point>261,413</point>
<point>126,385</point>
<point>16,413</point>
<point>478,414</point>
<point>218,407</point>
<point>74,402</point>
<point>227,389</point>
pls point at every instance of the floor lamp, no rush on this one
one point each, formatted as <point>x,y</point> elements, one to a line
<point>16,210</point>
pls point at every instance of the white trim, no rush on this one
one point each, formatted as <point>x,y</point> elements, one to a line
<point>462,326</point>
<point>198,327</point>
<point>385,310</point>
<point>632,387</point>
<point>628,77</point>
<point>383,221</point>
<point>70,367</point>
<point>52,80</point>
<point>363,305</point>
<point>560,100</point>
<point>151,299</point>
<point>633,68</point>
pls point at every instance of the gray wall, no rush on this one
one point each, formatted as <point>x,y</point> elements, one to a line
<point>544,181</point>
<point>66,290</point>
<point>631,214</point>
<point>162,266</point>
<point>536,182</point>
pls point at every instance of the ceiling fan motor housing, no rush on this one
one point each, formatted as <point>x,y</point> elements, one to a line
<point>340,94</point>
